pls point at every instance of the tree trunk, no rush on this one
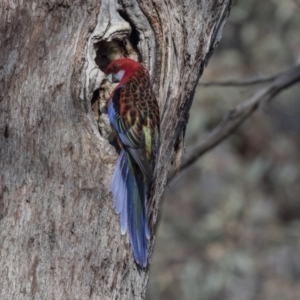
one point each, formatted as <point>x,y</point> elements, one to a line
<point>60,237</point>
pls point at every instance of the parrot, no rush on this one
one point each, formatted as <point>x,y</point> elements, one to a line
<point>133,113</point>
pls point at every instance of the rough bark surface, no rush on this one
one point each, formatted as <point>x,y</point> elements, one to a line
<point>60,237</point>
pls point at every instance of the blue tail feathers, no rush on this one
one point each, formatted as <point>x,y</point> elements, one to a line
<point>129,191</point>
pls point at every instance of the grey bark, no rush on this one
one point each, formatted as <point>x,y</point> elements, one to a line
<point>59,235</point>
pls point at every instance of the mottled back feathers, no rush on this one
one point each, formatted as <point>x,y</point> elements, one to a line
<point>137,119</point>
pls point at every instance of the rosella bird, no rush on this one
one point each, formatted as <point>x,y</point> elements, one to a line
<point>134,116</point>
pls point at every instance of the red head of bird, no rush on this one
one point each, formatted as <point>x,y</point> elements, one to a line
<point>122,69</point>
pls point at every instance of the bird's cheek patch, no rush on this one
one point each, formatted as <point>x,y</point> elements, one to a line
<point>119,76</point>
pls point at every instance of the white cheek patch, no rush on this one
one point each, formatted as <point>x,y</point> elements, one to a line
<point>118,76</point>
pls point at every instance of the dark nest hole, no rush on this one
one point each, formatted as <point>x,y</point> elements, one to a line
<point>108,51</point>
<point>95,96</point>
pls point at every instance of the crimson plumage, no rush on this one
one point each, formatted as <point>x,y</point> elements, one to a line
<point>134,115</point>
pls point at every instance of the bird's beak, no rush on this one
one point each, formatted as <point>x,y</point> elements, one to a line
<point>109,77</point>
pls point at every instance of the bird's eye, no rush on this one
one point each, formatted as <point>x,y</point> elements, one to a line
<point>115,66</point>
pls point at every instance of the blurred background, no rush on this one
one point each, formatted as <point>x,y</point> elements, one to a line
<point>230,224</point>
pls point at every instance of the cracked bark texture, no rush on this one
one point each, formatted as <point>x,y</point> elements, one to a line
<point>60,237</point>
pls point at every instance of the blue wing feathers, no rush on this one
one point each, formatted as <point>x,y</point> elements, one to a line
<point>129,193</point>
<point>118,186</point>
<point>124,217</point>
<point>112,115</point>
<point>137,222</point>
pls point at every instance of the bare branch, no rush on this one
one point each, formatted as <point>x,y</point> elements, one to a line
<point>238,115</point>
<point>245,82</point>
